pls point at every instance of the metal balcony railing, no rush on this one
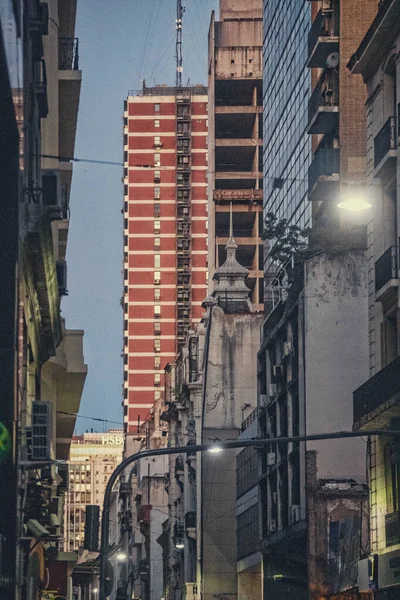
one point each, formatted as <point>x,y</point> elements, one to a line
<point>323,26</point>
<point>326,162</point>
<point>385,140</point>
<point>325,94</point>
<point>386,267</point>
<point>377,390</point>
<point>68,54</point>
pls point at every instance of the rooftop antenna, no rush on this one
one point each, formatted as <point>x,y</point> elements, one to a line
<point>179,15</point>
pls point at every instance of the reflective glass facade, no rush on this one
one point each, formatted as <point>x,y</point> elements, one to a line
<point>286,89</point>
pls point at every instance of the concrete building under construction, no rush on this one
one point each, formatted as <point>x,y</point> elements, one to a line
<point>235,138</point>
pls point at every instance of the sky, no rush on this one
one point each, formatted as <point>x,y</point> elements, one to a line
<point>121,42</point>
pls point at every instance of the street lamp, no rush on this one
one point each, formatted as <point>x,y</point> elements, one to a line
<point>352,198</point>
<point>122,556</point>
<point>255,442</point>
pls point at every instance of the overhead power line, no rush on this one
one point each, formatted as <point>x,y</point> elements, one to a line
<point>63,412</point>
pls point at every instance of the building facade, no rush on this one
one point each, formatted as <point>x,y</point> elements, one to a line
<point>286,145</point>
<point>235,138</point>
<point>316,303</point>
<point>205,393</point>
<point>92,459</point>
<point>43,360</point>
<point>165,235</point>
<point>376,402</point>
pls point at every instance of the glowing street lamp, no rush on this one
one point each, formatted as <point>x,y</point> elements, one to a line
<point>353,198</point>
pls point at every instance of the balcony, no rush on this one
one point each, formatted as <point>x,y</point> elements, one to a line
<point>392,528</point>
<point>323,106</point>
<point>323,174</point>
<point>68,54</point>
<point>69,81</point>
<point>378,399</point>
<point>385,150</point>
<point>323,39</point>
<point>386,275</point>
<point>251,195</point>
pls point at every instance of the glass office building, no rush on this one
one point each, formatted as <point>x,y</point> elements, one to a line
<point>286,90</point>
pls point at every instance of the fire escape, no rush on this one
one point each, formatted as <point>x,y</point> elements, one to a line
<point>183,213</point>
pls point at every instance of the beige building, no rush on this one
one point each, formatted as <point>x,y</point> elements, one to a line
<point>93,457</point>
<point>376,402</point>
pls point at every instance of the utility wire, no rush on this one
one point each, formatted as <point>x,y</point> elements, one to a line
<point>87,160</point>
<point>63,412</point>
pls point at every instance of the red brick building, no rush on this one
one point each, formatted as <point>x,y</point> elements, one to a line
<point>165,235</point>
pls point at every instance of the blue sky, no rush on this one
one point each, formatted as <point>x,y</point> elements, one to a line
<point>120,43</point>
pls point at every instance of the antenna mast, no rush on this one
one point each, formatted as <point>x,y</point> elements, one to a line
<point>179,14</point>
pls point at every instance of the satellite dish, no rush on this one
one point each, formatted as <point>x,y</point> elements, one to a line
<point>333,60</point>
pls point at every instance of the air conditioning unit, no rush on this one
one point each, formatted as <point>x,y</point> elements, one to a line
<point>277,371</point>
<point>272,390</point>
<point>156,281</point>
<point>295,513</point>
<point>191,591</point>
<point>271,459</point>
<point>287,349</point>
<point>41,431</point>
<point>263,400</point>
<point>61,269</point>
<point>272,525</point>
<point>51,192</point>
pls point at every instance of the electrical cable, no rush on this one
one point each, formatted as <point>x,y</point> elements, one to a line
<point>63,412</point>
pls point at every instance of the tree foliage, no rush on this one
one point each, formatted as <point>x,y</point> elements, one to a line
<point>286,241</point>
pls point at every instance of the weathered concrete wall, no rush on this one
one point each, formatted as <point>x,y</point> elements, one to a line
<point>231,370</point>
<point>336,358</point>
<point>239,9</point>
<point>231,381</point>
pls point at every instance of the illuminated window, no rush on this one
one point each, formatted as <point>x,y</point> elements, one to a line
<point>157,261</point>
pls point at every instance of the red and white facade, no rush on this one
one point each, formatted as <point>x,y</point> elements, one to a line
<point>165,235</point>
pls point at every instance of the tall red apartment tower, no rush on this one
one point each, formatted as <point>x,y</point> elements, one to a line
<point>165,235</point>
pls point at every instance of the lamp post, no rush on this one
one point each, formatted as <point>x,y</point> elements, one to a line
<point>214,448</point>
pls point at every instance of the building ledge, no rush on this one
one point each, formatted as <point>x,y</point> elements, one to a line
<point>389,289</point>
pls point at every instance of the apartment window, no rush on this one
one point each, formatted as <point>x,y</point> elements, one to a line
<point>157,123</point>
<point>157,379</point>
<point>157,176</point>
<point>157,345</point>
<point>157,192</point>
<point>157,328</point>
<point>157,295</point>
<point>157,362</point>
<point>157,140</point>
<point>157,277</point>
<point>157,210</point>
<point>157,311</point>
<point>157,243</point>
<point>157,261</point>
<point>157,159</point>
<point>157,226</point>
<point>157,108</point>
